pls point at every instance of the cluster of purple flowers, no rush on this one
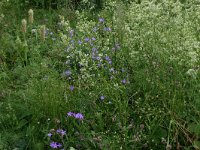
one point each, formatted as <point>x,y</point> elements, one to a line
<point>75,115</point>
<point>54,144</point>
<point>95,55</point>
<point>100,62</point>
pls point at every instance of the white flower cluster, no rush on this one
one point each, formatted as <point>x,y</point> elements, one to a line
<point>166,28</point>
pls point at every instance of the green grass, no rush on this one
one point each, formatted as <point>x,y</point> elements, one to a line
<point>147,67</point>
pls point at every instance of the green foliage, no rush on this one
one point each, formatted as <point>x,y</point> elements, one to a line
<point>131,69</point>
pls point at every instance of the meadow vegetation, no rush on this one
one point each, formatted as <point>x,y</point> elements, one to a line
<point>107,75</point>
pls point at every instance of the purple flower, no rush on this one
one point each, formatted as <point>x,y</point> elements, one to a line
<point>49,134</point>
<point>98,58</point>
<point>79,42</point>
<point>94,49</point>
<point>111,69</point>
<point>101,20</point>
<point>61,131</point>
<point>93,39</point>
<point>107,58</point>
<point>110,62</point>
<point>124,81</point>
<point>71,114</point>
<point>107,29</point>
<point>59,145</point>
<point>87,39</point>
<point>55,145</point>
<point>68,72</point>
<point>58,131</point>
<point>71,87</point>
<point>102,97</point>
<point>79,116</point>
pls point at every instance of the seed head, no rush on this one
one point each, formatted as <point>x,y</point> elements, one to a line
<point>30,13</point>
<point>24,25</point>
